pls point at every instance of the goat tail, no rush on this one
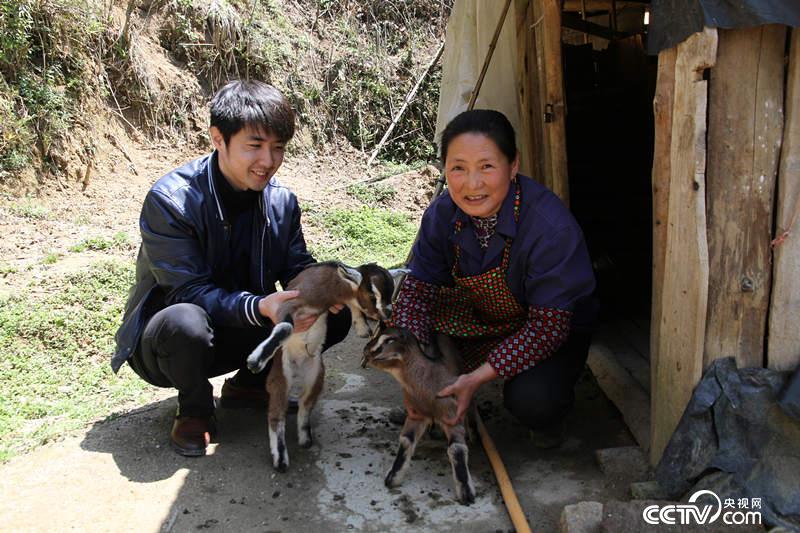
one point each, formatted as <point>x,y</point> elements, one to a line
<point>263,353</point>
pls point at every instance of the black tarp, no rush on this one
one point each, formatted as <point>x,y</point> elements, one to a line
<point>739,437</point>
<point>672,21</point>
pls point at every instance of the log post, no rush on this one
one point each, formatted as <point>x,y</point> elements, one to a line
<point>555,100</point>
<point>783,352</point>
<point>662,111</point>
<point>685,290</point>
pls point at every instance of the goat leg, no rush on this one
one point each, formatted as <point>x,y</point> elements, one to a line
<point>412,432</point>
<point>458,453</point>
<point>278,385</point>
<point>314,378</point>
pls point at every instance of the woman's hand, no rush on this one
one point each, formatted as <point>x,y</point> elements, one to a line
<point>463,389</point>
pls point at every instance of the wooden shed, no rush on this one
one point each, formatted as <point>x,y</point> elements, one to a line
<point>672,129</point>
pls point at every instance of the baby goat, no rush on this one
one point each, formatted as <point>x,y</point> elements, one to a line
<point>396,351</point>
<point>366,290</point>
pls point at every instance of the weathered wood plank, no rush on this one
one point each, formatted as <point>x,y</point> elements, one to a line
<point>662,110</point>
<point>783,351</point>
<point>555,100</point>
<point>615,338</point>
<point>744,139</point>
<point>685,294</point>
<point>623,391</point>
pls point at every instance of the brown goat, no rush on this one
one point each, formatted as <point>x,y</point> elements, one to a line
<point>397,351</point>
<point>366,290</point>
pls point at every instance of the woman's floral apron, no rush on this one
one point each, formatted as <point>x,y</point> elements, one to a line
<point>479,311</point>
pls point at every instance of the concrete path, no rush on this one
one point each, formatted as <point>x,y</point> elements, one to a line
<point>121,475</point>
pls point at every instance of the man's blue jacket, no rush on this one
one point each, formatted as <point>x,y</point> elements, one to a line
<point>185,253</point>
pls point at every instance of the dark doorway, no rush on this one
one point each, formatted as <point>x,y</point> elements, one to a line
<point>610,152</point>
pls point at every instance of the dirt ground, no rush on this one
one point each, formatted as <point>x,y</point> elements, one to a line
<point>120,474</point>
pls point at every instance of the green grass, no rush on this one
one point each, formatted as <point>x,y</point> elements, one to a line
<point>372,195</point>
<point>364,235</point>
<point>8,269</point>
<point>28,209</point>
<point>54,357</point>
<point>119,240</point>
<point>51,258</point>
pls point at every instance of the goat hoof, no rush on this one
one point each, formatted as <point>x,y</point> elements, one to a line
<point>281,466</point>
<point>391,481</point>
<point>466,495</point>
<point>306,444</point>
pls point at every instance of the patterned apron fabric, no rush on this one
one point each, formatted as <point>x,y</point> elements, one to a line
<point>479,311</point>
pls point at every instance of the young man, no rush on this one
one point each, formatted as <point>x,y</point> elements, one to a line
<point>217,233</point>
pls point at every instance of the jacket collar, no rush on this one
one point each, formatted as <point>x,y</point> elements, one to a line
<point>211,186</point>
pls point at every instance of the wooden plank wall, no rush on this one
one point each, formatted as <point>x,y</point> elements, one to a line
<point>784,316</point>
<point>745,130</point>
<point>684,293</point>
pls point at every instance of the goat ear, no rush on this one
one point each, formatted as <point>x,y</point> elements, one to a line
<point>350,275</point>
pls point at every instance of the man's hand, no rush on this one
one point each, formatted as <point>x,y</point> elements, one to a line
<point>463,389</point>
<point>269,305</point>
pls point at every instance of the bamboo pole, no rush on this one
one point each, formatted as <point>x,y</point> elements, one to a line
<point>489,54</point>
<point>506,489</point>
<point>474,96</point>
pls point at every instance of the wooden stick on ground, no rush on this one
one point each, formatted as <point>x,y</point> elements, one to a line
<point>409,98</point>
<point>506,489</point>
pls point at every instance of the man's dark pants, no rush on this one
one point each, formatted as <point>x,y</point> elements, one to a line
<point>541,396</point>
<point>181,348</point>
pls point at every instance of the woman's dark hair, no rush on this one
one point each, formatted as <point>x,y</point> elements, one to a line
<point>491,123</point>
<point>252,104</point>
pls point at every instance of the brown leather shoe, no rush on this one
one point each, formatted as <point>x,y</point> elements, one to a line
<point>235,396</point>
<point>191,435</point>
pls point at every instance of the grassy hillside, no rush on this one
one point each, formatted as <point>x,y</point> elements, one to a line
<point>151,65</point>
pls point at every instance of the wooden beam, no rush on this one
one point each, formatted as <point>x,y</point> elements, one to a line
<point>573,22</point>
<point>598,5</point>
<point>685,291</point>
<point>783,351</point>
<point>744,139</point>
<point>662,111</point>
<point>555,101</point>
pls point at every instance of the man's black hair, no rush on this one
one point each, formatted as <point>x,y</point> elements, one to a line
<point>488,122</point>
<point>253,104</point>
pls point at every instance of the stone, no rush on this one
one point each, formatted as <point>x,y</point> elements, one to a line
<point>583,517</point>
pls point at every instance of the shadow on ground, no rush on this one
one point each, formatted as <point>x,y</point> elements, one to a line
<point>122,476</point>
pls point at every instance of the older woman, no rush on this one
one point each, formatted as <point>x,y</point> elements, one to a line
<point>502,266</point>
